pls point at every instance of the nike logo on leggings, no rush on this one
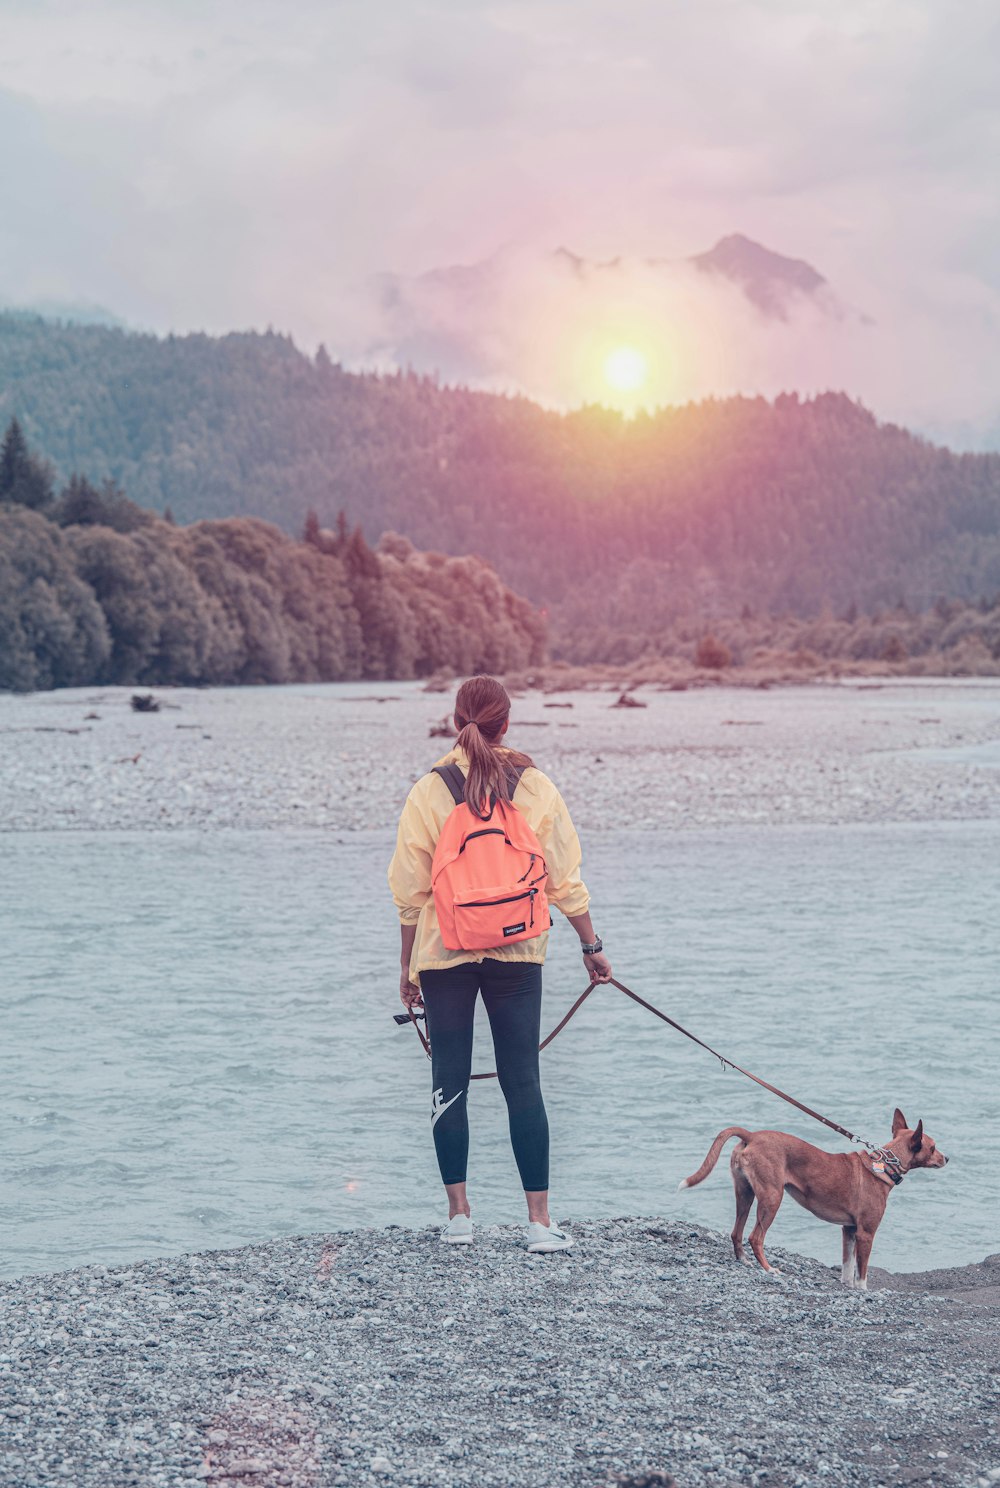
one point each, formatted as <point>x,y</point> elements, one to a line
<point>439,1105</point>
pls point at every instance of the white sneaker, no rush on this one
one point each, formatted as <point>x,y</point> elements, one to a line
<point>458,1231</point>
<point>543,1238</point>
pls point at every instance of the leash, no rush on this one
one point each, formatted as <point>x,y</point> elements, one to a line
<point>411,1017</point>
<point>882,1155</point>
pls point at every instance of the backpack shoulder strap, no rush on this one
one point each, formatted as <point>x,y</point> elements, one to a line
<point>514,773</point>
<point>454,780</point>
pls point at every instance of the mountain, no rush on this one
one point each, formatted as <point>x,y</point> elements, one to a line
<point>614,525</point>
<point>770,281</point>
<point>538,323</point>
<point>69,312</point>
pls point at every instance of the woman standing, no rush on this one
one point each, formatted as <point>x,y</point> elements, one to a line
<point>445,982</point>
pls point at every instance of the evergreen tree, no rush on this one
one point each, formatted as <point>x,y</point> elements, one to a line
<point>83,505</point>
<point>24,479</point>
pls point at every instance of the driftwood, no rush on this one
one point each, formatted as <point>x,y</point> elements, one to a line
<point>444,729</point>
<point>626,700</point>
<point>557,705</point>
<point>144,702</point>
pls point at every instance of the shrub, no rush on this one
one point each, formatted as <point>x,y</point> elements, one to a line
<point>712,655</point>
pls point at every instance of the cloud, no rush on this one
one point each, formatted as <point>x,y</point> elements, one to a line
<point>248,163</point>
<point>545,324</point>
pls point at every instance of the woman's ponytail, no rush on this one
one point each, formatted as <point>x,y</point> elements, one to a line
<point>482,709</point>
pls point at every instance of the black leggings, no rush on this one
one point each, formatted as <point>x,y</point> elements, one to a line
<point>512,992</point>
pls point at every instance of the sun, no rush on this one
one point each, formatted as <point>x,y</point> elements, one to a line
<point>625,369</point>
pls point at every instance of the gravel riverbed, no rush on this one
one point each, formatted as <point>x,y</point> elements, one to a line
<point>380,1357</point>
<point>342,756</point>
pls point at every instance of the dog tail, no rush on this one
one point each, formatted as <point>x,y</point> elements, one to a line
<point>713,1155</point>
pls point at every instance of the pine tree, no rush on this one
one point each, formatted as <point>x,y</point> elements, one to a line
<point>13,458</point>
<point>80,505</point>
<point>310,532</point>
<point>24,480</point>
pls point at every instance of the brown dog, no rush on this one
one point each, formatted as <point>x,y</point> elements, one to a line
<point>846,1188</point>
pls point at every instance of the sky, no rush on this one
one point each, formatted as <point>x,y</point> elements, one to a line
<point>202,164</point>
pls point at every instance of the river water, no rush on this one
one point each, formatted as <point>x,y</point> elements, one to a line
<point>199,1050</point>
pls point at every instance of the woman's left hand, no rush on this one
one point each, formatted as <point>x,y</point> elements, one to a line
<point>409,992</point>
<point>598,967</point>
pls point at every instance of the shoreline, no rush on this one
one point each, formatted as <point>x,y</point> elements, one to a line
<point>382,1357</point>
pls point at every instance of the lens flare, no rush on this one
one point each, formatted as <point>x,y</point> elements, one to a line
<point>625,370</point>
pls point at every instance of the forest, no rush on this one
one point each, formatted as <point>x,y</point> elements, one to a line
<point>621,529</point>
<point>96,589</point>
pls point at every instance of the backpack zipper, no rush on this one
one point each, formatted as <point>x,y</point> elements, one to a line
<point>485,903</point>
<point>487,832</point>
<point>510,899</point>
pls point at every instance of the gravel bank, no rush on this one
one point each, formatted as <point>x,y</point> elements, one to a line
<point>381,1357</point>
<point>342,756</point>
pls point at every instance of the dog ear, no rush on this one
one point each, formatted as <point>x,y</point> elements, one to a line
<point>898,1121</point>
<point>916,1141</point>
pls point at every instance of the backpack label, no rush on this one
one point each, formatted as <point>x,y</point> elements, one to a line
<point>514,929</point>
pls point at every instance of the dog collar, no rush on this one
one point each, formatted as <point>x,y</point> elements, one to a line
<point>886,1166</point>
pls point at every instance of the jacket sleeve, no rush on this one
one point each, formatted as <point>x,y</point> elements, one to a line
<point>566,889</point>
<point>410,869</point>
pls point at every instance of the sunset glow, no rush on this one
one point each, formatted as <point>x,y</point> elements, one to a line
<point>625,370</point>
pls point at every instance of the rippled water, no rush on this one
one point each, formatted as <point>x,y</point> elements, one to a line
<point>198,1047</point>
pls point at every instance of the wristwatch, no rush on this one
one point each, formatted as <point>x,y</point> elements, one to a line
<point>592,950</point>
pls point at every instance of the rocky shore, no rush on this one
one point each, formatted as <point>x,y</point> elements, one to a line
<point>342,757</point>
<point>382,1357</point>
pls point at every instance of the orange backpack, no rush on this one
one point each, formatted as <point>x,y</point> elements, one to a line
<point>488,876</point>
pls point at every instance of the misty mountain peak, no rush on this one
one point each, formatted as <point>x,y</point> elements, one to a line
<point>768,279</point>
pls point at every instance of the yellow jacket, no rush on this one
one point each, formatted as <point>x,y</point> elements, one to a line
<point>427,807</point>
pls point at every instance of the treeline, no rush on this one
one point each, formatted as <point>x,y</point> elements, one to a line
<point>95,589</point>
<point>951,638</point>
<point>617,527</point>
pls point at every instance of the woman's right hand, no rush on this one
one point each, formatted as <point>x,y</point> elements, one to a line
<point>409,992</point>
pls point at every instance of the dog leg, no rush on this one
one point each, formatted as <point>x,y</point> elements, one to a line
<point>744,1200</point>
<point>848,1269</point>
<point>767,1208</point>
<point>864,1250</point>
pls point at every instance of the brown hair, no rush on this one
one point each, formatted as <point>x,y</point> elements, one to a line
<point>482,707</point>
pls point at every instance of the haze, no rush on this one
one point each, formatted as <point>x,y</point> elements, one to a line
<point>234,165</point>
